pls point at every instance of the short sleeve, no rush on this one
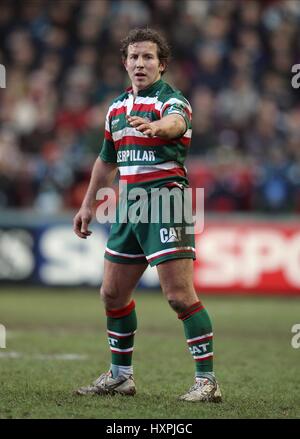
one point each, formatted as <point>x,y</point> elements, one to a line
<point>177,105</point>
<point>108,152</point>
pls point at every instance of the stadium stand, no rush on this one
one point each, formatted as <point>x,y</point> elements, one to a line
<point>232,59</point>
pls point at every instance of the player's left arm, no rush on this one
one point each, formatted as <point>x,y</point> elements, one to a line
<point>171,126</point>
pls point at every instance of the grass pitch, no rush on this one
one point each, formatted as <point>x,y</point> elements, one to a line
<point>56,342</point>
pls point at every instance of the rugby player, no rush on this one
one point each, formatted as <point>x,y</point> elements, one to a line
<point>147,135</point>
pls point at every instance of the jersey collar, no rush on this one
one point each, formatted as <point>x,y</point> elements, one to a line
<point>149,90</point>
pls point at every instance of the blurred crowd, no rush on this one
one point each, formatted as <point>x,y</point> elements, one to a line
<point>231,58</point>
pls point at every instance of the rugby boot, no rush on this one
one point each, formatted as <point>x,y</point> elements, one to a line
<point>204,390</point>
<point>107,385</point>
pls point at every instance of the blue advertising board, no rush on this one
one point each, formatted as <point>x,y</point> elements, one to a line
<point>48,252</point>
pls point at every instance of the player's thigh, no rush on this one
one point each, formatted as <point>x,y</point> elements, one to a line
<point>176,280</point>
<point>119,281</point>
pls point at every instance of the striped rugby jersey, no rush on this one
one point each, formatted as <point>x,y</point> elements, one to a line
<point>147,161</point>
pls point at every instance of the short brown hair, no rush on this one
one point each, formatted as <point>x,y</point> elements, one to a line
<point>147,34</point>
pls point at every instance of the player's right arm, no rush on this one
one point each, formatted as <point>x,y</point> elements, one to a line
<point>103,175</point>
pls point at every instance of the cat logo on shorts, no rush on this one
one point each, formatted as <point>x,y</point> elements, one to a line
<point>173,234</point>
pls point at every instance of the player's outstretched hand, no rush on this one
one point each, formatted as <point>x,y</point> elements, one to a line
<point>81,222</point>
<point>142,125</point>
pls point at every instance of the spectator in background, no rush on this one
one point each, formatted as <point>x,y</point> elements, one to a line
<point>267,130</point>
<point>275,189</point>
<point>237,104</point>
<point>205,138</point>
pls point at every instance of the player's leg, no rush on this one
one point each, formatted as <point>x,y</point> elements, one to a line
<point>119,281</point>
<point>176,278</point>
<point>168,244</point>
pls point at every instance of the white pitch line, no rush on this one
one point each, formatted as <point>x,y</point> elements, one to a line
<point>10,355</point>
<point>69,357</point>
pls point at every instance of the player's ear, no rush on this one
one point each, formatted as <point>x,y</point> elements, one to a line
<point>161,67</point>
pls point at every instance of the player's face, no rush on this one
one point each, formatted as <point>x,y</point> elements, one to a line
<point>142,64</point>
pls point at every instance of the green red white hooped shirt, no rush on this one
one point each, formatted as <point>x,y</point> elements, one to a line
<point>142,160</point>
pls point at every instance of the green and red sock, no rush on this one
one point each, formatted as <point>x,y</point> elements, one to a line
<point>121,327</point>
<point>199,336</point>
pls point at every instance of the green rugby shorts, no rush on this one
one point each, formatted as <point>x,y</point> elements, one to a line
<point>152,230</point>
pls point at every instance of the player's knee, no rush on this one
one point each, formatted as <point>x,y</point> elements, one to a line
<point>178,305</point>
<point>109,297</point>
<point>177,287</point>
